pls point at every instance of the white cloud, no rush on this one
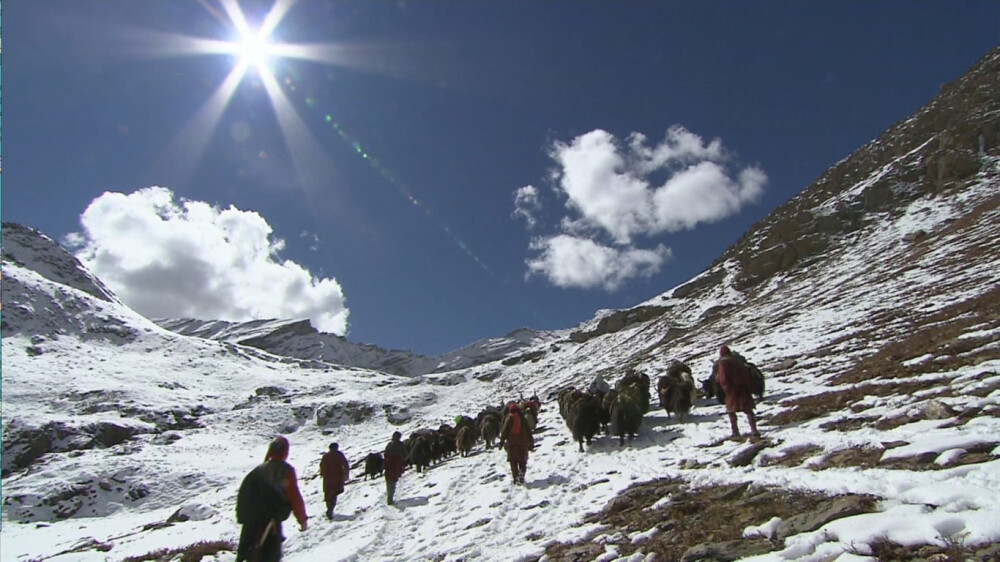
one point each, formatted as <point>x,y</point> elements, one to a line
<point>568,261</point>
<point>679,146</point>
<point>619,191</point>
<point>607,184</point>
<point>526,204</point>
<point>313,238</point>
<point>169,258</point>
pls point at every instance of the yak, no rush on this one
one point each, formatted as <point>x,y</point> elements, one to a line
<point>466,439</point>
<point>639,381</point>
<point>489,429</point>
<point>581,411</point>
<point>626,413</point>
<point>373,465</point>
<point>421,449</point>
<point>676,396</point>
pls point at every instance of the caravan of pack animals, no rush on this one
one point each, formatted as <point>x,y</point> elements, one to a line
<point>511,425</point>
<point>614,411</point>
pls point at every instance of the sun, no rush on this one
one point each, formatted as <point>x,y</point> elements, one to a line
<point>254,49</point>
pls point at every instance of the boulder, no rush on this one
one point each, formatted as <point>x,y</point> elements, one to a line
<point>746,454</point>
<point>343,413</point>
<point>833,508</point>
<point>727,551</point>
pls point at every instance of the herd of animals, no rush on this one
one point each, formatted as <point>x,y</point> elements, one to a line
<point>427,446</point>
<point>600,408</point>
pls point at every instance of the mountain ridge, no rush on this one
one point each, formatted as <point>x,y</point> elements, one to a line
<point>299,339</point>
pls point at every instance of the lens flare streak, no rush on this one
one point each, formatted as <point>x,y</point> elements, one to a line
<point>402,189</point>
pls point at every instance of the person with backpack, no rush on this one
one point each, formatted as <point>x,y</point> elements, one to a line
<point>394,456</point>
<point>515,433</point>
<point>734,378</point>
<point>268,495</point>
<point>335,471</point>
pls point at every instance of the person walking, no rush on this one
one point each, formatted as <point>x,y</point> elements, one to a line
<point>734,378</point>
<point>515,433</point>
<point>268,495</point>
<point>394,455</point>
<point>335,471</point>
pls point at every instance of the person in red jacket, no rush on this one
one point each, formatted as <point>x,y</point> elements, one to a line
<point>395,453</point>
<point>515,433</point>
<point>335,471</point>
<point>268,494</point>
<point>734,379</point>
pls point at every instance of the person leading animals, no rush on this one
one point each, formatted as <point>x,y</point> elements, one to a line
<point>734,379</point>
<point>335,471</point>
<point>515,433</point>
<point>268,495</point>
<point>395,453</point>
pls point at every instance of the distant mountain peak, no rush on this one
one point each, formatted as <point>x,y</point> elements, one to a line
<point>30,248</point>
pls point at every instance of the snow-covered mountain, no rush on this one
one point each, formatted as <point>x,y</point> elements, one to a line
<point>871,301</point>
<point>298,338</point>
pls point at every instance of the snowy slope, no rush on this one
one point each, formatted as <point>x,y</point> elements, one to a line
<point>882,352</point>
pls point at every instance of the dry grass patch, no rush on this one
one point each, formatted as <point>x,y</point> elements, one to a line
<point>937,334</point>
<point>885,424</point>
<point>954,549</point>
<point>716,514</point>
<point>963,417</point>
<point>850,423</point>
<point>988,388</point>
<point>864,457</point>
<point>976,454</point>
<point>191,553</point>
<point>871,457</point>
<point>817,405</point>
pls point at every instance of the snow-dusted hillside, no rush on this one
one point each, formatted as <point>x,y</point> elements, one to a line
<point>880,341</point>
<point>298,338</point>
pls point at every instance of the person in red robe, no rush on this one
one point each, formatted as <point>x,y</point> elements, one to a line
<point>734,379</point>
<point>515,433</point>
<point>335,471</point>
<point>395,455</point>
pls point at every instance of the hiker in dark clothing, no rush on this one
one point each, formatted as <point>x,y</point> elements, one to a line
<point>335,471</point>
<point>516,434</point>
<point>267,496</point>
<point>395,453</point>
<point>735,381</point>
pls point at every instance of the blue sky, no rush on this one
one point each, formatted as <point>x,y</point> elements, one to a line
<point>436,172</point>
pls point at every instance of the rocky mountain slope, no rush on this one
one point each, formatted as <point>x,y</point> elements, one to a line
<point>871,302</point>
<point>299,339</point>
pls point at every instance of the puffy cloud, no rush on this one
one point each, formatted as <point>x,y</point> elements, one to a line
<point>526,204</point>
<point>608,184</point>
<point>619,191</point>
<point>568,261</point>
<point>169,258</point>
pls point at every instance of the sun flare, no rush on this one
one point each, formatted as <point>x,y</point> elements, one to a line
<point>255,50</point>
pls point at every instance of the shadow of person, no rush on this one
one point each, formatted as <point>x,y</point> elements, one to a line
<point>412,502</point>
<point>553,480</point>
